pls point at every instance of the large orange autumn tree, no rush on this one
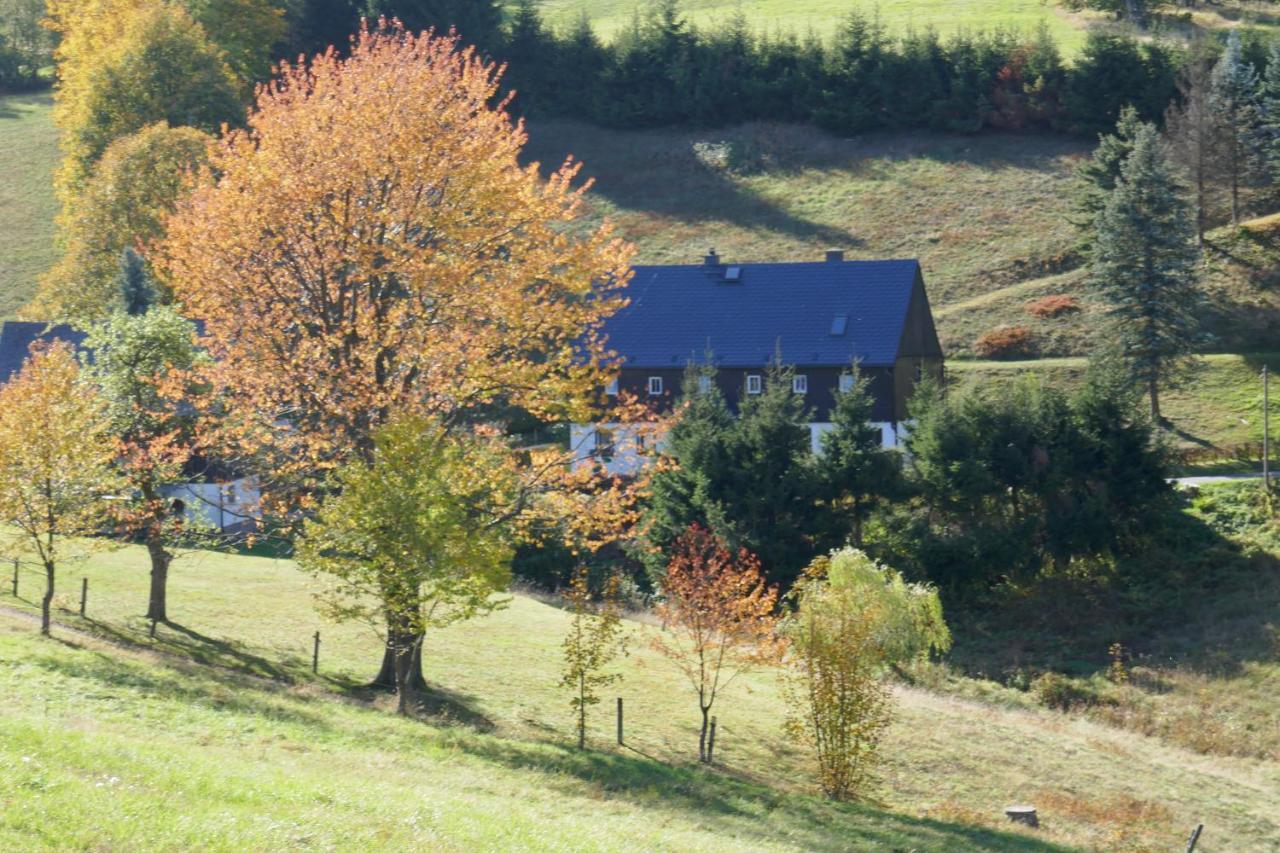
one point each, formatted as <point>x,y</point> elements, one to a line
<point>370,245</point>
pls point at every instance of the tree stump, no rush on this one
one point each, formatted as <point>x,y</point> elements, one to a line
<point>1022,814</point>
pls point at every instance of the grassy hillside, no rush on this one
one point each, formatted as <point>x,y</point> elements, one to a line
<point>28,154</point>
<point>1220,406</point>
<point>981,213</point>
<point>824,16</point>
<point>216,735</point>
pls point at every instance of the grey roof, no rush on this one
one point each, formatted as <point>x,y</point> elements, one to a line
<point>679,313</point>
<point>16,338</point>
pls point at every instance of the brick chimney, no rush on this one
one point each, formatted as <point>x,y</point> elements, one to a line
<point>711,259</point>
<point>835,256</point>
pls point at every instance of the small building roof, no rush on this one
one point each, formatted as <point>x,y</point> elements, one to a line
<point>16,338</point>
<point>822,313</point>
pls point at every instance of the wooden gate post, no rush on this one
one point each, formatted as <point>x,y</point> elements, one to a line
<point>619,721</point>
<point>84,594</point>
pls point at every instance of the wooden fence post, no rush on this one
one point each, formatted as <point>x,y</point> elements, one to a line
<point>84,594</point>
<point>711,742</point>
<point>619,721</point>
<point>15,577</point>
<point>315,655</point>
<point>1195,837</point>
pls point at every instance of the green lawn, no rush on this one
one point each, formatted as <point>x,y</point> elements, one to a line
<point>28,154</point>
<point>216,736</point>
<point>825,16</point>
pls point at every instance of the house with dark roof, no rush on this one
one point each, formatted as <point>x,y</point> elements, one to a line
<point>214,496</point>
<point>819,318</point>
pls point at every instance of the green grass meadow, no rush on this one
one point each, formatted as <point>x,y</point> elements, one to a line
<point>215,735</point>
<point>824,17</point>
<point>28,155</point>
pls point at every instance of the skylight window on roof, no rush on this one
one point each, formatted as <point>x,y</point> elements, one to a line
<point>733,274</point>
<point>838,324</point>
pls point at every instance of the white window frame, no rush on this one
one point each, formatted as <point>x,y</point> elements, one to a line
<point>655,386</point>
<point>612,388</point>
<point>755,383</point>
<point>800,384</point>
<point>846,383</point>
<point>704,384</point>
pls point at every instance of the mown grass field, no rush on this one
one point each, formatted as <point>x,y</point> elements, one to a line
<point>824,17</point>
<point>28,154</point>
<point>215,735</point>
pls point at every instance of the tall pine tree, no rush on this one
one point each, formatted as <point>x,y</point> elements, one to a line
<point>1196,140</point>
<point>1233,99</point>
<point>1269,102</point>
<point>856,471</point>
<point>1144,269</point>
<point>1099,174</point>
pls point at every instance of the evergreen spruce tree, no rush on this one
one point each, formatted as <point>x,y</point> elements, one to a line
<point>1196,140</point>
<point>1234,100</point>
<point>1144,269</point>
<point>529,51</point>
<point>1269,119</point>
<point>772,487</point>
<point>1098,175</point>
<point>690,493</point>
<point>856,471</point>
<point>137,293</point>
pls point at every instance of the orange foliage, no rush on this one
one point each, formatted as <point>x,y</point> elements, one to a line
<point>719,616</point>
<point>1006,342</point>
<point>371,245</point>
<point>1054,305</point>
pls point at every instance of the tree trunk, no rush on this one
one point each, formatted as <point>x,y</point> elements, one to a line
<point>1154,390</point>
<point>702,738</point>
<point>582,712</point>
<point>407,658</point>
<point>157,605</point>
<point>388,674</point>
<point>46,603</point>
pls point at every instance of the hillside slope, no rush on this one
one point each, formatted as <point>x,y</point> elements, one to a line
<point>28,154</point>
<point>165,743</point>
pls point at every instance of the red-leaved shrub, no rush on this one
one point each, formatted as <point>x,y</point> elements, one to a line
<point>1052,306</point>
<point>1006,342</point>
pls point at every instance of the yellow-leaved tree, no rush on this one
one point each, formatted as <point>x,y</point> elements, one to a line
<point>415,538</point>
<point>853,619</point>
<point>123,205</point>
<point>369,245</point>
<point>56,453</point>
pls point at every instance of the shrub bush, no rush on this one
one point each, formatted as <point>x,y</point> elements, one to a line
<point>1053,306</point>
<point>1063,693</point>
<point>1006,342</point>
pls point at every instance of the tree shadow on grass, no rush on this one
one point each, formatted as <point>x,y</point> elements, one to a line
<point>185,643</point>
<point>721,802</point>
<point>649,172</point>
<point>175,681</point>
<point>436,705</point>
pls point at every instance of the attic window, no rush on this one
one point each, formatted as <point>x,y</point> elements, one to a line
<point>839,323</point>
<point>754,384</point>
<point>655,385</point>
<point>704,384</point>
<point>846,383</point>
<point>800,384</point>
<point>733,274</point>
<point>612,388</point>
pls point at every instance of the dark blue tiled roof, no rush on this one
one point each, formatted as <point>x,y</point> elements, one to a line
<point>679,313</point>
<point>16,339</point>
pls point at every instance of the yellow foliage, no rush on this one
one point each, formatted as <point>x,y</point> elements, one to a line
<point>56,453</point>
